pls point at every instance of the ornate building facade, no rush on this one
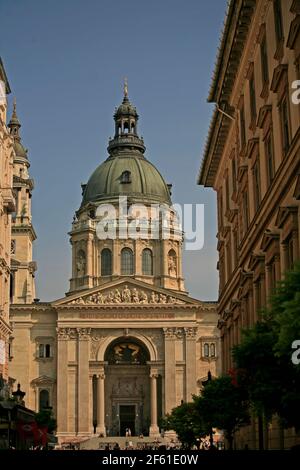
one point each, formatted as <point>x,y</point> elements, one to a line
<point>127,343</point>
<point>252,160</point>
<point>6,208</point>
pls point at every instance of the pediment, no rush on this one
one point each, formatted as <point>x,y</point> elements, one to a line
<point>126,291</point>
<point>42,380</point>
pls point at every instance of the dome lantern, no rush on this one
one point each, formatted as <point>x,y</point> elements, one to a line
<point>126,172</point>
<point>126,119</point>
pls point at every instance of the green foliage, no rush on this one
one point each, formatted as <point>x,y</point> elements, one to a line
<point>284,312</point>
<point>223,405</point>
<point>264,354</point>
<point>186,422</point>
<point>261,369</point>
<point>44,418</point>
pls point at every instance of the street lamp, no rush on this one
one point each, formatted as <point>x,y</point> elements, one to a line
<point>19,395</point>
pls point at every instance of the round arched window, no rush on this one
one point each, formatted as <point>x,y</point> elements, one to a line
<point>127,262</point>
<point>106,262</point>
<point>147,262</point>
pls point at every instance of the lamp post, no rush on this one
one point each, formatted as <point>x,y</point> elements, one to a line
<point>19,395</point>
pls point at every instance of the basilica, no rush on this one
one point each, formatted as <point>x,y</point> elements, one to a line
<point>127,343</point>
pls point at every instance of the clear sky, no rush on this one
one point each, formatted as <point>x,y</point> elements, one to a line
<point>65,61</point>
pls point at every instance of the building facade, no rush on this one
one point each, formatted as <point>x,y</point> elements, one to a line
<point>127,343</point>
<point>252,161</point>
<point>6,208</point>
<point>23,235</point>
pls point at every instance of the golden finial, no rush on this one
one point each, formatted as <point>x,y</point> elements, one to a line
<point>125,87</point>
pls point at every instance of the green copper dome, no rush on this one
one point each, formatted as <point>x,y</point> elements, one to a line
<point>126,172</point>
<point>126,175</point>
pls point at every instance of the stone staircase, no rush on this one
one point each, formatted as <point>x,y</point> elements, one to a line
<point>95,443</point>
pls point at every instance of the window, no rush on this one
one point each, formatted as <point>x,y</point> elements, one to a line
<point>258,296</point>
<point>227,193</point>
<point>106,262</point>
<point>233,168</point>
<point>127,265</point>
<point>273,275</point>
<point>220,207</point>
<point>235,247</point>
<point>43,399</point>
<point>228,260</point>
<point>44,351</point>
<point>245,211</point>
<point>12,286</point>
<point>289,252</point>
<point>209,350</point>
<point>242,127</point>
<point>264,61</point>
<point>256,184</point>
<point>285,125</point>
<point>252,98</point>
<point>125,177</point>
<point>278,20</point>
<point>147,262</point>
<point>269,152</point>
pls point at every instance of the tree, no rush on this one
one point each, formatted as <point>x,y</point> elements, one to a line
<point>264,355</point>
<point>262,374</point>
<point>223,405</point>
<point>44,418</point>
<point>186,422</point>
<point>284,311</point>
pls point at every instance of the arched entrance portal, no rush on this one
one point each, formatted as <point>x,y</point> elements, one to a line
<point>127,387</point>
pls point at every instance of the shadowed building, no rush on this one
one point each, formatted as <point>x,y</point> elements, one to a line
<point>252,161</point>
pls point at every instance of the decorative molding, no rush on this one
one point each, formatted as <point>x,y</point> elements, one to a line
<point>173,333</point>
<point>83,333</point>
<point>190,332</point>
<point>66,333</point>
<point>126,296</point>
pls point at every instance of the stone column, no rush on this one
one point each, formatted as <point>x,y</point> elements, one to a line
<point>62,381</point>
<point>101,404</point>
<point>170,369</point>
<point>190,362</point>
<point>89,260</point>
<point>91,403</point>
<point>83,404</point>
<point>154,430</point>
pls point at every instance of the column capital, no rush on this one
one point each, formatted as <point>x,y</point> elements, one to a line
<point>83,333</point>
<point>100,375</point>
<point>190,332</point>
<point>154,374</point>
<point>66,333</point>
<point>173,332</point>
